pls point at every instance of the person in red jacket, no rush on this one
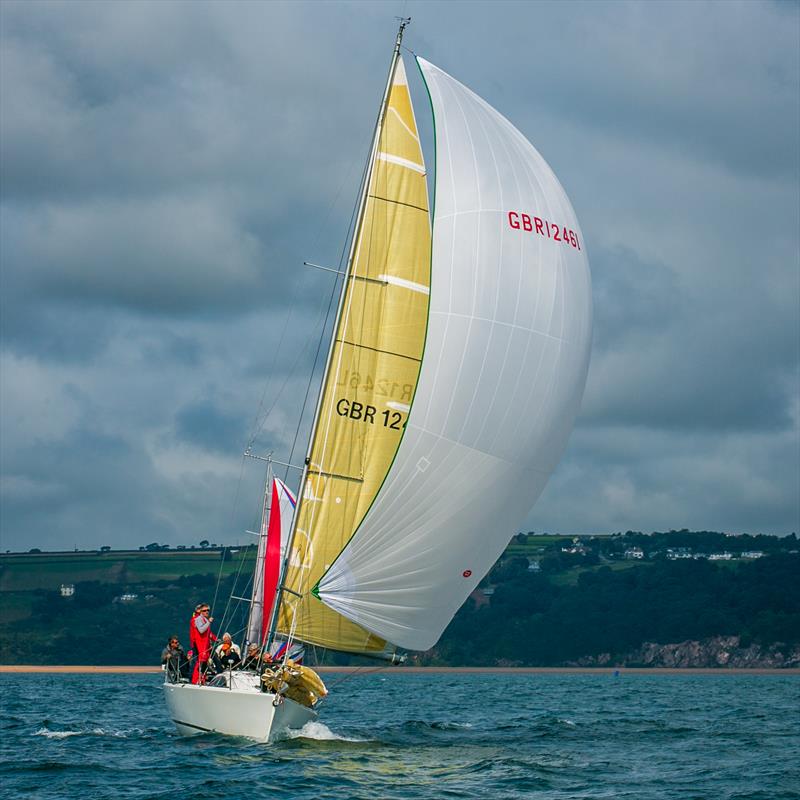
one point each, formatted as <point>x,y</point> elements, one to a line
<point>200,638</point>
<point>192,644</point>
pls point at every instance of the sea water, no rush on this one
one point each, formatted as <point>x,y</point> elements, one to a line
<point>395,735</point>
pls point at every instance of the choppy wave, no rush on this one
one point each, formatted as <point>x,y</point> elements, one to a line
<point>451,726</point>
<point>399,737</point>
<point>122,734</point>
<point>320,732</point>
<point>55,734</point>
<point>438,726</point>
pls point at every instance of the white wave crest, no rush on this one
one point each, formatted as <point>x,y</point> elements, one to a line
<point>55,734</point>
<point>124,734</point>
<point>451,726</point>
<point>320,732</point>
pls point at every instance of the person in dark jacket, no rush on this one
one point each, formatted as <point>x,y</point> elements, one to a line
<point>255,659</point>
<point>174,660</point>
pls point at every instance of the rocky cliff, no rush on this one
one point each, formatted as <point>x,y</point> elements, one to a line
<point>718,651</point>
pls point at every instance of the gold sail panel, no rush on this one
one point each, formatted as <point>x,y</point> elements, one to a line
<point>372,377</point>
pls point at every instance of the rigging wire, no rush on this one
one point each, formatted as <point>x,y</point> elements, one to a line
<point>259,425</point>
<point>331,301</point>
<point>219,579</point>
<point>351,232</point>
<point>261,416</point>
<point>345,308</point>
<point>320,340</point>
<point>260,420</point>
<point>233,590</point>
<point>371,177</point>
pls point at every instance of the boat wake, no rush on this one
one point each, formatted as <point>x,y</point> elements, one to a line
<point>320,733</point>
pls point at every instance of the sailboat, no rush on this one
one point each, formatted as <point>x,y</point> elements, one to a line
<point>454,374</point>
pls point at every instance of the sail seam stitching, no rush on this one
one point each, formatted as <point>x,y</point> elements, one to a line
<point>501,324</point>
<point>335,475</point>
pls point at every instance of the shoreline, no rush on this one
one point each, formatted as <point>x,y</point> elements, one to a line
<point>148,670</point>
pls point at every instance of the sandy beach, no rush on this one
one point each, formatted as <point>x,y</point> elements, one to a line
<point>100,670</point>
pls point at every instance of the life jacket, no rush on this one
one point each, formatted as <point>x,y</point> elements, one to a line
<point>193,633</point>
<point>202,640</point>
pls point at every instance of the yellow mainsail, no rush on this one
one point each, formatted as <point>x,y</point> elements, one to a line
<point>372,375</point>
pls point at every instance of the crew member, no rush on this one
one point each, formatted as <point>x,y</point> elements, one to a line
<point>174,660</point>
<point>192,633</point>
<point>201,638</point>
<point>255,659</point>
<point>227,655</point>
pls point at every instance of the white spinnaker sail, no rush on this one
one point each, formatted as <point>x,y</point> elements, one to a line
<point>502,377</point>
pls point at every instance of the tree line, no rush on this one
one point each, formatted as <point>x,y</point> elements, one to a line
<point>533,620</point>
<point>548,608</point>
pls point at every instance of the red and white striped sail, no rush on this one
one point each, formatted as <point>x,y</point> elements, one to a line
<point>276,521</point>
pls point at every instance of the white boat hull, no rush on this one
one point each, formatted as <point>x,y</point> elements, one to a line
<point>234,712</point>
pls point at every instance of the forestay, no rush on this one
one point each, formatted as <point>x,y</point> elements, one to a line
<point>501,381</point>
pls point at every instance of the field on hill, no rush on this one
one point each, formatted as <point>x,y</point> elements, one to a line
<point>23,572</point>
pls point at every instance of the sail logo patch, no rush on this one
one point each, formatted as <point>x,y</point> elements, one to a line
<point>543,227</point>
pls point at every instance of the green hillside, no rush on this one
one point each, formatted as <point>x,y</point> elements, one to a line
<point>29,571</point>
<point>23,572</point>
<point>549,600</point>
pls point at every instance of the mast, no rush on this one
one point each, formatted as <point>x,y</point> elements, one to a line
<point>404,21</point>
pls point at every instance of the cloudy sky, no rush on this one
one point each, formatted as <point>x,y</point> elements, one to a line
<point>167,167</point>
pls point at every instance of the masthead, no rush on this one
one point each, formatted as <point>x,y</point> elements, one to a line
<point>404,21</point>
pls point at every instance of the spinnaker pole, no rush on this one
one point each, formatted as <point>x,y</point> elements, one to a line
<point>347,275</point>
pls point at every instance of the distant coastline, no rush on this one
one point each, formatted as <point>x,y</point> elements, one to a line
<point>134,670</point>
<point>681,600</point>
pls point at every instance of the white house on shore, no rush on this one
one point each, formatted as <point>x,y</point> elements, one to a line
<point>634,553</point>
<point>674,553</point>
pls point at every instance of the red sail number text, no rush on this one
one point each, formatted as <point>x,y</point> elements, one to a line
<point>532,224</point>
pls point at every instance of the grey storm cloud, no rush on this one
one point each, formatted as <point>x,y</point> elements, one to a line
<point>167,167</point>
